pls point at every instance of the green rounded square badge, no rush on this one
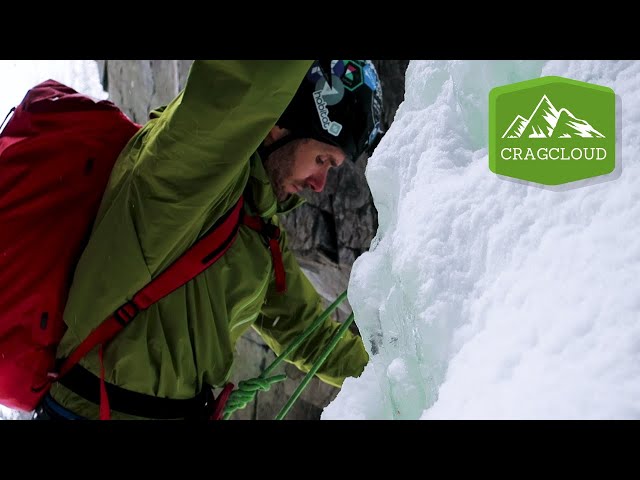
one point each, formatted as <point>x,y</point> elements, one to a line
<point>552,130</point>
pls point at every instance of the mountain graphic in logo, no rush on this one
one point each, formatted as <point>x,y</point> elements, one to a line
<point>548,122</point>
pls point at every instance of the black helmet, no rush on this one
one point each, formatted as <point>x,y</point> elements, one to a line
<point>339,102</point>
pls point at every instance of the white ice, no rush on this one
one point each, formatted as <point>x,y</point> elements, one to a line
<point>486,298</point>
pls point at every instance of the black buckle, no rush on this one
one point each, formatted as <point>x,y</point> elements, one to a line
<point>123,314</point>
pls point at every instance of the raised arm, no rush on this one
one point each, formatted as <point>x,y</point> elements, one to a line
<point>191,159</point>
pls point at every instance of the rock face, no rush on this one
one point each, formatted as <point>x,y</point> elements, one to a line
<point>327,233</point>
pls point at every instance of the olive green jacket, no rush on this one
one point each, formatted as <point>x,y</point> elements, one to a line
<point>179,174</point>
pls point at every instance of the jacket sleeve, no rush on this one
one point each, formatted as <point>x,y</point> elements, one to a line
<point>193,159</point>
<point>287,315</point>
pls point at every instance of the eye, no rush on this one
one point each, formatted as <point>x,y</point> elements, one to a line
<point>319,160</point>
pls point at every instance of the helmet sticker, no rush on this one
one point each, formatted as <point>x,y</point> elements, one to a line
<point>337,67</point>
<point>325,95</point>
<point>314,74</point>
<point>331,94</point>
<point>352,77</point>
<point>370,77</point>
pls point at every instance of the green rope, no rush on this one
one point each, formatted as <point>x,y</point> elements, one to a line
<point>248,389</point>
<point>317,322</point>
<point>327,351</point>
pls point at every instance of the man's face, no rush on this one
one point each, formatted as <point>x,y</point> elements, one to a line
<point>300,164</point>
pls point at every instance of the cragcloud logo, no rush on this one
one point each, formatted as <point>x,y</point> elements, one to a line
<point>532,138</point>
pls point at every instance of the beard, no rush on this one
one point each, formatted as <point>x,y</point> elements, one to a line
<point>279,168</point>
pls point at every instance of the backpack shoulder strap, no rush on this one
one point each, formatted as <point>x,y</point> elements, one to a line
<point>204,253</point>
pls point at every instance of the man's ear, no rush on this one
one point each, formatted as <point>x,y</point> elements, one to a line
<point>276,133</point>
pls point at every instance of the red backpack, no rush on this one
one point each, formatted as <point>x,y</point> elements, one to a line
<point>56,155</point>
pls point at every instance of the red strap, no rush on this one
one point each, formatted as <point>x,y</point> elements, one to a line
<point>276,255</point>
<point>107,330</point>
<point>194,261</point>
<point>221,401</point>
<point>273,234</point>
<point>253,222</point>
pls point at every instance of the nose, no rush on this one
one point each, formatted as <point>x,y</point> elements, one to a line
<point>317,182</point>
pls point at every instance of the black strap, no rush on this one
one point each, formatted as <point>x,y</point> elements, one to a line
<point>84,383</point>
<point>5,118</point>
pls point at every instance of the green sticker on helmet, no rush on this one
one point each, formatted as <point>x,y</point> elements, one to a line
<point>352,77</point>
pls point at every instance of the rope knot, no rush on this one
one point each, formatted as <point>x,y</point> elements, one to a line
<point>247,390</point>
